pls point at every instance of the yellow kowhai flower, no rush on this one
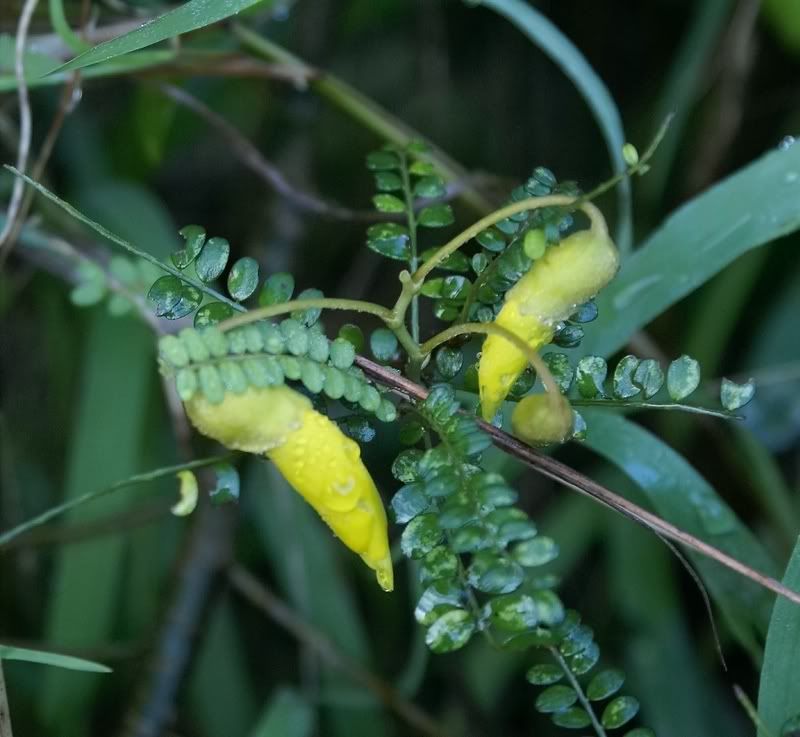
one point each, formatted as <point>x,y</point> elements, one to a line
<point>317,459</point>
<point>566,276</point>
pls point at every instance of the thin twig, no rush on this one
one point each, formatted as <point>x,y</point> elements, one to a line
<point>261,597</point>
<point>571,478</point>
<point>5,714</point>
<point>251,157</point>
<point>25,128</point>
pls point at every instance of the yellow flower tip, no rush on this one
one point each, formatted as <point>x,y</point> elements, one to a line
<point>542,419</point>
<point>566,276</point>
<point>317,459</point>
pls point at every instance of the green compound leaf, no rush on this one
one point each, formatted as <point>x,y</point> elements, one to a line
<point>683,377</point>
<point>450,632</point>
<point>190,16</point>
<point>556,698</point>
<point>619,712</point>
<point>212,259</point>
<point>734,396</point>
<point>389,239</point>
<point>8,652</point>
<point>243,278</point>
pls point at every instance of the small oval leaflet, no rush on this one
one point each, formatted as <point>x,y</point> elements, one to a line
<point>243,278</point>
<point>173,298</point>
<point>390,240</point>
<point>388,203</point>
<point>383,344</point>
<point>450,632</point>
<point>212,259</point>
<point>212,313</point>
<point>734,396</point>
<point>590,376</point>
<point>556,698</point>
<point>619,712</point>
<point>683,377</point>
<point>544,674</point>
<point>195,237</point>
<point>436,216</point>
<point>277,288</point>
<point>605,684</point>
<point>573,718</point>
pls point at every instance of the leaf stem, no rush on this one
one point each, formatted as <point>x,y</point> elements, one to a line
<point>141,478</point>
<point>129,247</point>
<point>321,303</point>
<point>413,283</point>
<point>676,406</point>
<point>585,703</point>
<point>491,328</point>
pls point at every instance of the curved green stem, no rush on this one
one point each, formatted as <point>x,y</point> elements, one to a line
<point>490,328</point>
<point>413,283</point>
<point>322,303</point>
<point>141,478</point>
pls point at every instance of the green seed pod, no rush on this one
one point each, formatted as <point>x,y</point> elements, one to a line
<point>542,419</point>
<point>195,346</point>
<point>233,378</point>
<point>173,352</point>
<point>215,341</point>
<point>273,339</point>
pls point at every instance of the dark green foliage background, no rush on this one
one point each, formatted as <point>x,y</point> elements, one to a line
<point>83,407</point>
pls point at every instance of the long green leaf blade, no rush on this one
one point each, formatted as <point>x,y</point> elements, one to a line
<point>779,691</point>
<point>574,65</point>
<point>188,17</point>
<point>681,496</point>
<point>55,659</point>
<point>754,206</point>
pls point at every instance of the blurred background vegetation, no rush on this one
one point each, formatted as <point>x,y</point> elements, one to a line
<point>323,651</point>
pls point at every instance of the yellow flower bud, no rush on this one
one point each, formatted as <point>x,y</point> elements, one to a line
<point>565,277</point>
<point>542,419</point>
<point>317,459</point>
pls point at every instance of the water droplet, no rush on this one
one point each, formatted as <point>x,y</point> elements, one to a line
<point>786,143</point>
<point>344,487</point>
<point>791,177</point>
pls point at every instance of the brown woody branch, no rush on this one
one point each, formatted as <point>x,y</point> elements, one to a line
<point>576,481</point>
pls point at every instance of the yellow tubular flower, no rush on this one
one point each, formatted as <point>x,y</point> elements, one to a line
<point>317,459</point>
<point>565,277</point>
